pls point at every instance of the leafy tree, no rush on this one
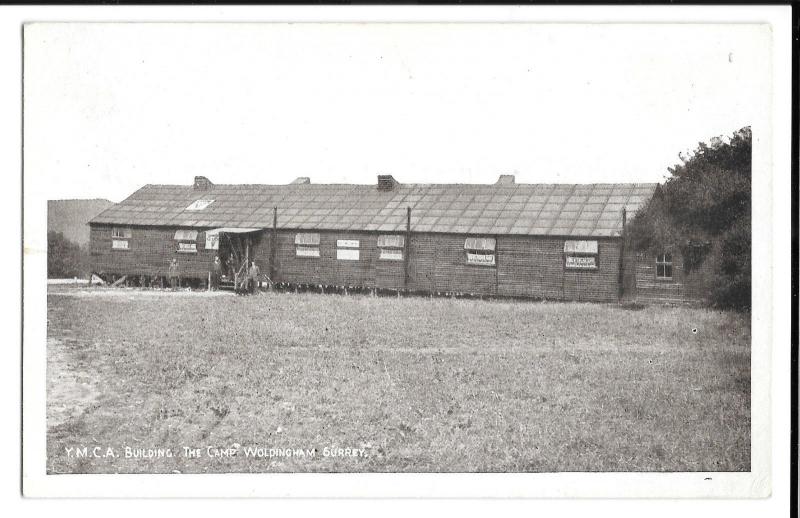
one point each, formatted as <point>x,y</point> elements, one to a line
<point>703,209</point>
<point>64,258</point>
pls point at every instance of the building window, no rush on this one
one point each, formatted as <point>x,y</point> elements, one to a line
<point>391,247</point>
<point>580,255</point>
<point>480,250</point>
<point>664,267</point>
<point>306,245</point>
<point>186,241</point>
<point>347,249</point>
<point>199,205</point>
<point>120,238</point>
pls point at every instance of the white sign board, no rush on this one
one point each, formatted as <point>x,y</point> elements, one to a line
<point>480,259</point>
<point>307,251</point>
<point>347,254</point>
<point>391,254</point>
<point>582,262</point>
<point>187,247</point>
<point>212,241</point>
<point>119,244</point>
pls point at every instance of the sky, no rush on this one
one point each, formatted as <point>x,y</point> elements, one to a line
<point>109,108</point>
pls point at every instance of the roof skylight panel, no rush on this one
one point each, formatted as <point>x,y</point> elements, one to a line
<point>199,204</point>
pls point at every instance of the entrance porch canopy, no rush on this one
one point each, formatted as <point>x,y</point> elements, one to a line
<point>232,230</point>
<point>213,237</point>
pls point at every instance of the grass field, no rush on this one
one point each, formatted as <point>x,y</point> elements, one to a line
<point>411,384</point>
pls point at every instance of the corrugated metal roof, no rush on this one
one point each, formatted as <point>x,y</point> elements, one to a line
<point>592,210</point>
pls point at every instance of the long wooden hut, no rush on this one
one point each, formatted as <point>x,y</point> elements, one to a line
<point>545,241</point>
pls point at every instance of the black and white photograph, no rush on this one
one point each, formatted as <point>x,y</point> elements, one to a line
<point>517,249</point>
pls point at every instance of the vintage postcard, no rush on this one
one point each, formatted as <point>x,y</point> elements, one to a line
<point>433,259</point>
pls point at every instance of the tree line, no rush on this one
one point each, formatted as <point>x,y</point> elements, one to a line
<point>703,210</point>
<point>65,258</point>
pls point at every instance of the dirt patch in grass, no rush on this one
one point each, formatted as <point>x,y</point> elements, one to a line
<point>389,384</point>
<point>71,383</point>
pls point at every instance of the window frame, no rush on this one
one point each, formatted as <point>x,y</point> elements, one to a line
<point>397,248</point>
<point>586,248</point>
<point>664,263</point>
<point>121,232</point>
<point>485,250</point>
<point>121,235</point>
<point>311,245</point>
<point>185,241</point>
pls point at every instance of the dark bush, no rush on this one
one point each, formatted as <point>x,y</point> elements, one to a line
<point>732,285</point>
<point>703,210</point>
<point>64,258</point>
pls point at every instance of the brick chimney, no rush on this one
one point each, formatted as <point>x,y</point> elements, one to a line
<point>386,182</point>
<point>506,179</point>
<point>201,183</point>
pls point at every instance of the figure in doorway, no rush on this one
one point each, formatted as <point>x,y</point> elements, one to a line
<point>254,281</point>
<point>216,273</point>
<point>174,280</point>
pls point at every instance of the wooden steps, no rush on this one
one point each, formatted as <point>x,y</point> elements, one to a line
<point>226,285</point>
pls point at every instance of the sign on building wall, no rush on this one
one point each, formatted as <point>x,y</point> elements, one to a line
<point>392,254</point>
<point>481,259</point>
<point>187,247</point>
<point>347,254</point>
<point>588,262</point>
<point>347,243</point>
<point>347,249</point>
<point>307,251</point>
<point>212,241</point>
<point>580,255</point>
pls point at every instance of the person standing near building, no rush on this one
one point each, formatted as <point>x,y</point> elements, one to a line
<point>253,275</point>
<point>174,281</point>
<point>216,273</point>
